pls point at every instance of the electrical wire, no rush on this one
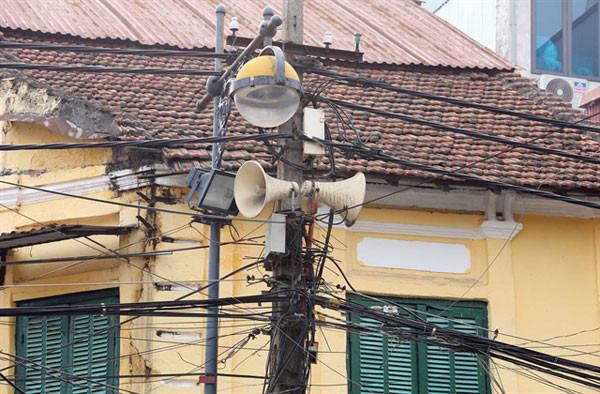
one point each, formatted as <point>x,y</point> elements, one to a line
<point>116,51</point>
<point>120,283</point>
<point>27,363</point>
<point>127,255</point>
<point>459,168</point>
<point>17,389</point>
<point>127,320</point>
<point>470,133</point>
<point>145,239</point>
<point>369,154</point>
<point>98,69</point>
<point>361,81</point>
<point>455,339</point>
<point>128,205</point>
<point>157,143</point>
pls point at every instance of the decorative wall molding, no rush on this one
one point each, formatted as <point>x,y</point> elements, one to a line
<point>477,200</point>
<point>489,229</point>
<point>464,199</point>
<point>500,230</point>
<point>118,180</point>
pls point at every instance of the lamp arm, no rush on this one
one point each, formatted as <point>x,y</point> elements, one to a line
<point>266,29</point>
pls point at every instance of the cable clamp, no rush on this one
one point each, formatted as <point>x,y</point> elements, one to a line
<point>433,331</point>
<point>103,313</point>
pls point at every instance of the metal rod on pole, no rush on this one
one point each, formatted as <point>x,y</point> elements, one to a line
<point>269,27</point>
<point>212,322</point>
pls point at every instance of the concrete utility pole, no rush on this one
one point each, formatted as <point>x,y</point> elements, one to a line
<point>288,354</point>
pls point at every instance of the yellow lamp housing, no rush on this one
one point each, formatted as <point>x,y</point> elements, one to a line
<point>267,89</point>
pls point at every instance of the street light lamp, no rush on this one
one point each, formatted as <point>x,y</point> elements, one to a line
<point>267,89</point>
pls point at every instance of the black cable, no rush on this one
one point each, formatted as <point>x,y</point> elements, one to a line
<point>56,374</point>
<point>331,154</point>
<point>110,309</point>
<point>278,155</point>
<point>128,205</point>
<point>325,249</point>
<point>97,69</point>
<point>470,133</point>
<point>157,375</point>
<point>361,81</point>
<point>549,370</point>
<point>125,255</point>
<point>158,143</point>
<point>479,342</point>
<point>102,330</point>
<point>14,386</point>
<point>116,51</point>
<point>369,154</point>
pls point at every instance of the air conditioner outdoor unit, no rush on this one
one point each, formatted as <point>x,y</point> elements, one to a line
<point>566,88</point>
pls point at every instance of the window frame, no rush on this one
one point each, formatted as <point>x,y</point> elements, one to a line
<point>567,55</point>
<point>476,310</point>
<point>67,358</point>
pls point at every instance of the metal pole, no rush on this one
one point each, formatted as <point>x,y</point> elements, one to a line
<point>288,358</point>
<point>267,15</point>
<point>212,323</point>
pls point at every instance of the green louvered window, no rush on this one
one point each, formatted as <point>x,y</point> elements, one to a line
<point>380,364</point>
<point>57,354</point>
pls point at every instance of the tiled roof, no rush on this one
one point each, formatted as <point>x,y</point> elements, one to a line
<point>163,107</point>
<point>393,31</point>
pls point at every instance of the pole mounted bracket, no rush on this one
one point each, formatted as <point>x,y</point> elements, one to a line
<point>269,28</point>
<point>214,86</point>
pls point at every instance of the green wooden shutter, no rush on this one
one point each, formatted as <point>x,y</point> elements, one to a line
<point>40,335</point>
<point>439,365</point>
<point>400,364</point>
<point>378,364</point>
<point>89,357</point>
<point>467,369</point>
<point>372,367</point>
<point>455,372</point>
<point>93,356</point>
<point>383,365</point>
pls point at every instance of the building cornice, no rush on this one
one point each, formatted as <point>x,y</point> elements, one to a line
<point>118,180</point>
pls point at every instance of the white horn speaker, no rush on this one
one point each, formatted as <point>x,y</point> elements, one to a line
<point>342,195</point>
<point>254,188</point>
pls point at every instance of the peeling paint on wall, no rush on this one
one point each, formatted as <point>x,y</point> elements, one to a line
<point>25,100</point>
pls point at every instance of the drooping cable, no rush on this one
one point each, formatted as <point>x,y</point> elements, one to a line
<point>157,143</point>
<point>98,69</point>
<point>361,81</point>
<point>470,133</point>
<point>370,154</point>
<point>115,51</point>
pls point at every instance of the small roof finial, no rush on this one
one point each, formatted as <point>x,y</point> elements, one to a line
<point>357,41</point>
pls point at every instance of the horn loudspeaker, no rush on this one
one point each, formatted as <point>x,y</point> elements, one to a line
<point>254,188</point>
<point>341,195</point>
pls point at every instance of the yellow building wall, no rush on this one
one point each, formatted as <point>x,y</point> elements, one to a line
<point>543,284</point>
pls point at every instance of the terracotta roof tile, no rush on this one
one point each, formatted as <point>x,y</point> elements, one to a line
<point>155,106</point>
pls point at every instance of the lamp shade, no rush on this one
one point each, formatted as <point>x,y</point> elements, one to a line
<point>267,91</point>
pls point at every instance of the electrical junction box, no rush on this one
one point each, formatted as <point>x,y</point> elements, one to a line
<point>275,235</point>
<point>314,126</point>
